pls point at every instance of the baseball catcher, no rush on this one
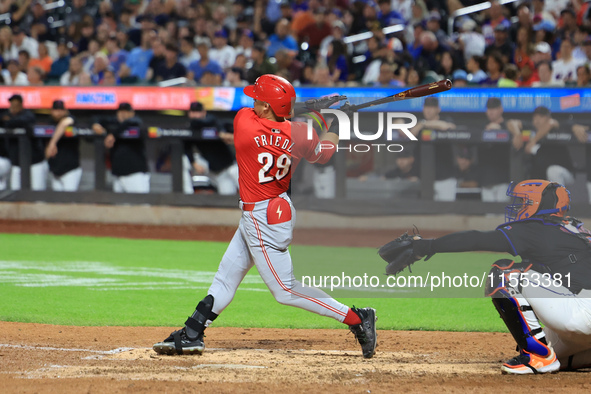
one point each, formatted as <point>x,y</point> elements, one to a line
<point>550,285</point>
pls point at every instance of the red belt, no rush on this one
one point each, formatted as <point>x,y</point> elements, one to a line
<point>248,206</point>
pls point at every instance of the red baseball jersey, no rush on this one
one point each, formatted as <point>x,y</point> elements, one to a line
<point>267,153</point>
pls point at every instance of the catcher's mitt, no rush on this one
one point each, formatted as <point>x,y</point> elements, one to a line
<point>399,253</point>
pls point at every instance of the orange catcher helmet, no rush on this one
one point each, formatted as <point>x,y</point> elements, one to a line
<point>274,90</point>
<point>535,197</point>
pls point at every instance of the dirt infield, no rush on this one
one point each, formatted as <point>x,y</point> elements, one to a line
<point>44,358</point>
<point>61,359</point>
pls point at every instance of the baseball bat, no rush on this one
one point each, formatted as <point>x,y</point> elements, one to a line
<point>418,91</point>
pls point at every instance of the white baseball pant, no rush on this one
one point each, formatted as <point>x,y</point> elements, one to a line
<point>138,182</point>
<point>67,182</point>
<point>566,318</point>
<point>187,178</point>
<point>4,172</point>
<point>39,173</point>
<point>226,181</point>
<point>266,245</point>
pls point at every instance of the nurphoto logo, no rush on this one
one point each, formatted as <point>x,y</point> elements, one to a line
<point>346,132</point>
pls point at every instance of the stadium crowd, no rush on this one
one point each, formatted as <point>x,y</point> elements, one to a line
<point>91,42</point>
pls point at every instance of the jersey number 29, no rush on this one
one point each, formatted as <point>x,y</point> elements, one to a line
<point>267,160</point>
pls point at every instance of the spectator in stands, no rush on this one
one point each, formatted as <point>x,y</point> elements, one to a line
<point>117,56</point>
<point>338,34</point>
<point>569,24</point>
<point>211,78</point>
<point>197,68</point>
<point>495,17</point>
<point>524,47</point>
<point>524,20</point>
<point>22,42</point>
<point>222,53</point>
<point>5,41</point>
<point>542,52</point>
<point>35,76</point>
<point>110,77</point>
<point>23,61</point>
<point>129,164</point>
<point>460,79</point>
<point>539,12</point>
<point>289,65</point>
<point>470,42</point>
<point>579,41</point>
<point>501,44</point>
<point>170,68</point>
<point>321,75</point>
<point>158,50</point>
<point>528,74</point>
<point>493,158</point>
<point>445,182</point>
<point>434,26</point>
<point>63,154</point>
<point>429,53</point>
<point>387,16</point>
<point>545,75</point>
<point>337,61</point>
<point>100,65</point>
<point>13,76</point>
<point>86,35</point>
<point>583,77</point>
<point>138,60</point>
<point>414,77</point>
<point>260,64</point>
<point>39,22</point>
<point>446,65</point>
<point>476,74</point>
<point>62,63</point>
<point>72,76</point>
<point>509,77</point>
<point>387,78</point>
<point>494,69</point>
<point>79,9</point>
<point>245,43</point>
<point>587,49</point>
<point>43,60</point>
<point>241,61</point>
<point>370,68</point>
<point>315,32</point>
<point>188,52</point>
<point>281,39</point>
<point>234,77</point>
<point>565,68</point>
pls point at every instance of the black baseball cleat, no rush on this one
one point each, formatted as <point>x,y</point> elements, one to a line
<point>365,333</point>
<point>180,343</point>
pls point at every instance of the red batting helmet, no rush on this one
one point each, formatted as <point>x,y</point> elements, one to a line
<point>274,90</point>
<point>536,197</point>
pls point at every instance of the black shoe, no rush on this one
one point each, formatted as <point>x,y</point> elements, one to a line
<point>365,333</point>
<point>180,343</point>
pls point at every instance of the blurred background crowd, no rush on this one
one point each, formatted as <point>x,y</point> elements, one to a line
<point>386,43</point>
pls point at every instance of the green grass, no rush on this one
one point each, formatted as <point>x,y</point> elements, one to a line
<point>75,280</point>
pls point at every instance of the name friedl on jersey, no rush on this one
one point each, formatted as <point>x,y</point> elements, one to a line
<point>274,140</point>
